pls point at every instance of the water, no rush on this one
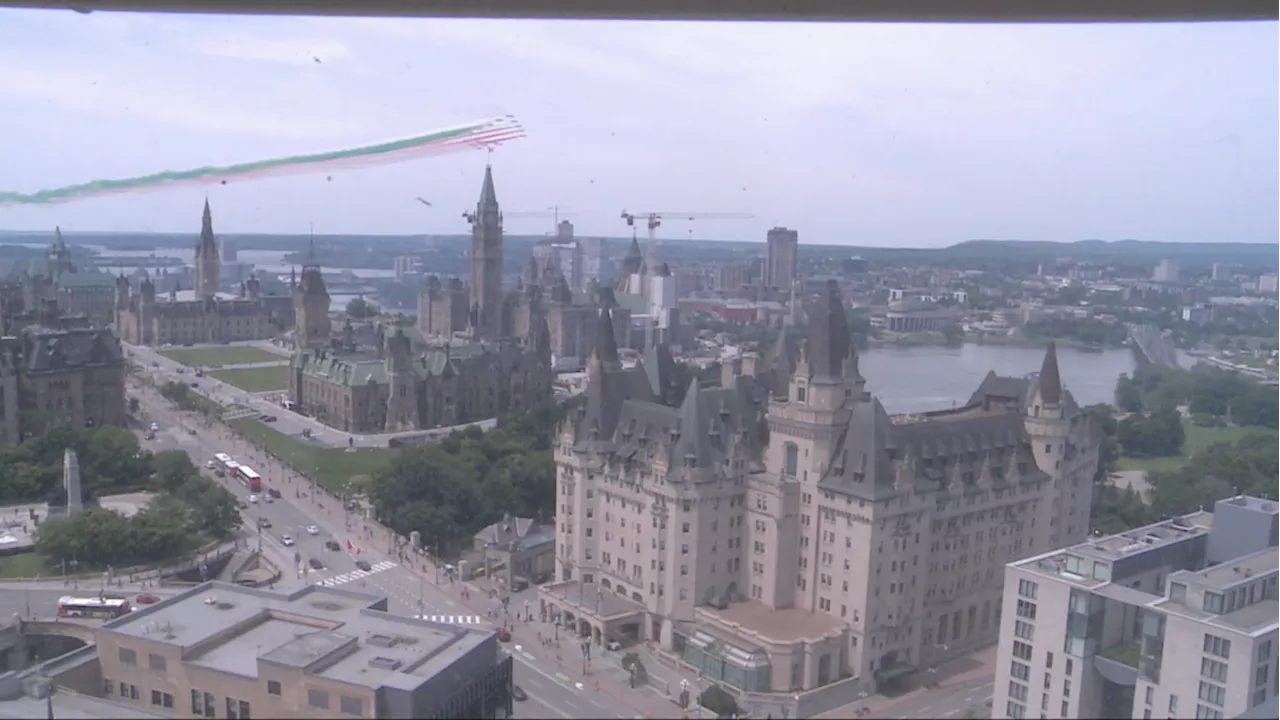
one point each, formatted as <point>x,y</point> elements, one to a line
<point>918,379</point>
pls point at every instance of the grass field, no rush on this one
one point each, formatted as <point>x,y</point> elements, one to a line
<point>24,565</point>
<point>1198,438</point>
<point>228,355</point>
<point>254,380</point>
<point>331,467</point>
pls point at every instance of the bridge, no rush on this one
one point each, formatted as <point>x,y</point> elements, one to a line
<point>1151,346</point>
<point>80,630</point>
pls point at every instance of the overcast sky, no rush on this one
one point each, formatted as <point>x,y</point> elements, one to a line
<point>889,135</point>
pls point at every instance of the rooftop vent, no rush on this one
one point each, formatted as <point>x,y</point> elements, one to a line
<point>384,663</point>
<point>407,640</point>
<point>327,605</point>
<point>383,640</point>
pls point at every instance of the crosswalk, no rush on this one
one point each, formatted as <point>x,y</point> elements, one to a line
<point>354,575</point>
<point>452,619</point>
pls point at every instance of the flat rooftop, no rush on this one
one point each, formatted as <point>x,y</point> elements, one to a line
<point>753,619</point>
<point>70,705</point>
<point>325,632</point>
<point>1116,547</point>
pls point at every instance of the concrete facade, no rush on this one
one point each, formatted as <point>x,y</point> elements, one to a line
<point>781,258</point>
<point>783,532</point>
<point>1173,620</point>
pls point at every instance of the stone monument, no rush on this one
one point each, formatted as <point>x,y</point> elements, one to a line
<point>71,482</point>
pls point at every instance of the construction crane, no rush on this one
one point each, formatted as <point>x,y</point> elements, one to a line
<point>653,220</point>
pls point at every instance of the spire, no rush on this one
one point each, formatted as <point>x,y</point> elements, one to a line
<point>828,344</point>
<point>488,196</point>
<point>59,245</point>
<point>206,224</point>
<point>1050,380</point>
<point>606,350</point>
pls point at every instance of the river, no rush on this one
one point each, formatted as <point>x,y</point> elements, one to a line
<point>920,378</point>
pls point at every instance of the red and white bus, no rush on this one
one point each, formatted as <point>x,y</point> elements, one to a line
<point>249,478</point>
<point>102,608</point>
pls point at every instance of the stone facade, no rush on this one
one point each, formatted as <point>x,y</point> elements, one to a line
<point>73,376</point>
<point>142,318</point>
<point>459,364</point>
<point>75,291</point>
<point>783,531</point>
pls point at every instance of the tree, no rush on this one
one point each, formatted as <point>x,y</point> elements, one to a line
<point>114,462</point>
<point>954,335</point>
<point>359,308</point>
<point>718,701</point>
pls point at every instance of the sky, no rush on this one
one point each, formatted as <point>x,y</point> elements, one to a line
<point>874,135</point>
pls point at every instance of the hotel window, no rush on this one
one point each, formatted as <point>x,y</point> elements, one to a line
<point>792,458</point>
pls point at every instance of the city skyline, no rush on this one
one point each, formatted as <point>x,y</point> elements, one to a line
<point>877,135</point>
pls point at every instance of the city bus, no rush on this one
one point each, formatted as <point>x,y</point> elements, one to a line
<point>101,608</point>
<point>249,478</point>
<point>222,459</point>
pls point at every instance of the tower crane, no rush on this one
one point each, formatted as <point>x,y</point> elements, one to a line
<point>653,220</point>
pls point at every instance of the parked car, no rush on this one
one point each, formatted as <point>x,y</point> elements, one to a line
<point>333,545</point>
<point>313,530</point>
<point>253,499</point>
<point>146,599</point>
<point>268,418</point>
<point>287,540</point>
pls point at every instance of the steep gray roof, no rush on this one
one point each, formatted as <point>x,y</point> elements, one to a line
<point>52,351</point>
<point>829,343</point>
<point>1050,380</point>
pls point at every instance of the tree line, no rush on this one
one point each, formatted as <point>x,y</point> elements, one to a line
<point>1154,428</point>
<point>450,490</point>
<point>187,510</point>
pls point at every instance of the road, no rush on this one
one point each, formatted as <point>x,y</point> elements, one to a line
<point>411,585</point>
<point>162,370</point>
<point>945,702</point>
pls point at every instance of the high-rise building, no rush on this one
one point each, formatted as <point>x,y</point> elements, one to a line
<point>780,258</point>
<point>1173,620</point>
<point>783,531</point>
<point>1165,272</point>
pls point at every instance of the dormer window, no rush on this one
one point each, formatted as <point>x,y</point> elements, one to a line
<point>800,394</point>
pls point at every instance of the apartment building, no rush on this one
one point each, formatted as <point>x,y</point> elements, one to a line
<point>782,532</point>
<point>226,651</point>
<point>1173,620</point>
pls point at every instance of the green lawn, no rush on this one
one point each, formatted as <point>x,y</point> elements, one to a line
<point>25,565</point>
<point>228,355</point>
<point>254,380</point>
<point>331,467</point>
<point>1198,438</point>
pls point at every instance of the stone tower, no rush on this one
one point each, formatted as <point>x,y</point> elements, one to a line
<point>402,402</point>
<point>59,258</point>
<point>311,310</point>
<point>1063,448</point>
<point>486,262</point>
<point>147,310</point>
<point>208,264</point>
<point>71,482</point>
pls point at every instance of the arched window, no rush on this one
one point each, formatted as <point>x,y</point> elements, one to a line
<point>793,458</point>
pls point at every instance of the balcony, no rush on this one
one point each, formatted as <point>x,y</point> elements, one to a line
<point>1119,664</point>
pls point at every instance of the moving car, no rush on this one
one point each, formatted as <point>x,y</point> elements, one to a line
<point>364,565</point>
<point>614,645</point>
<point>287,540</point>
<point>253,499</point>
<point>315,563</point>
<point>211,464</point>
<point>273,493</point>
<point>333,545</point>
<point>146,599</point>
<point>313,530</point>
<point>264,523</point>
